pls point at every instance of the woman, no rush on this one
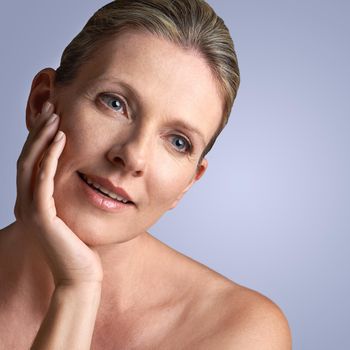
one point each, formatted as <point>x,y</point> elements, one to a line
<point>117,135</point>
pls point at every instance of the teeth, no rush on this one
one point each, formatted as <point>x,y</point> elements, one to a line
<point>105,191</point>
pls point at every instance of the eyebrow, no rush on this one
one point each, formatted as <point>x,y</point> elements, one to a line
<point>131,91</point>
<point>189,127</point>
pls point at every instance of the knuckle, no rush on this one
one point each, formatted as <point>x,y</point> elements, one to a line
<point>37,218</point>
<point>22,164</point>
<point>19,161</point>
<point>36,215</point>
<point>17,211</point>
<point>43,175</point>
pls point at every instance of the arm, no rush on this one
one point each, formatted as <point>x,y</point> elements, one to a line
<point>69,323</point>
<point>76,268</point>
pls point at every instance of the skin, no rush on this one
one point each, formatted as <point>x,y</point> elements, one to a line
<point>60,242</point>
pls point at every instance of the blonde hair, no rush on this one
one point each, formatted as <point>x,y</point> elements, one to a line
<point>191,24</point>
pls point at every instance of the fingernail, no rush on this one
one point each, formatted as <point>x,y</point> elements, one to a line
<point>52,119</point>
<point>58,136</point>
<point>47,107</point>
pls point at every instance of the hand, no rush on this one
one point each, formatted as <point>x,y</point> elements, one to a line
<point>71,261</point>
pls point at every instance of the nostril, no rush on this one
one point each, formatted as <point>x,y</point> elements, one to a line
<point>128,158</point>
<point>138,173</point>
<point>119,161</point>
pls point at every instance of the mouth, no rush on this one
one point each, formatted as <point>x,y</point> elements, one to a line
<point>103,191</point>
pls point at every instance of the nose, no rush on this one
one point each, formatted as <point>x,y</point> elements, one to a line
<point>130,154</point>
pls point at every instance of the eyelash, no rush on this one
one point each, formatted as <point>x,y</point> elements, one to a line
<point>187,142</point>
<point>112,97</point>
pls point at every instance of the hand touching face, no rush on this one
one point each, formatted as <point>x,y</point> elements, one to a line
<point>70,260</point>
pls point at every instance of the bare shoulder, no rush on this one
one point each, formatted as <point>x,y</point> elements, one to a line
<point>249,320</point>
<point>221,314</point>
<point>231,316</point>
<point>5,235</point>
<point>7,238</point>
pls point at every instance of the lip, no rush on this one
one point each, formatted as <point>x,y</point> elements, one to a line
<point>107,184</point>
<point>101,201</point>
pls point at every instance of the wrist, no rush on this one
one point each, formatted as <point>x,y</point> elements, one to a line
<point>79,292</point>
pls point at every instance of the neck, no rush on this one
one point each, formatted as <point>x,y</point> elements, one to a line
<point>127,267</point>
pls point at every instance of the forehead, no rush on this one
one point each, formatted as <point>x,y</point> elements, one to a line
<point>169,81</point>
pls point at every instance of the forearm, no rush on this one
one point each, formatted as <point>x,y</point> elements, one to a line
<point>70,320</point>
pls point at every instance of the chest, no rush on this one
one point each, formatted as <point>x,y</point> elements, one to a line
<point>167,327</point>
<point>150,337</point>
<point>18,327</point>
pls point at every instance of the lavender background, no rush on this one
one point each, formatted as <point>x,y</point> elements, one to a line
<point>272,212</point>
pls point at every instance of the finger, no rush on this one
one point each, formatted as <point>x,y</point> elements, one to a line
<point>34,133</point>
<point>34,129</point>
<point>44,184</point>
<point>42,144</point>
<point>40,120</point>
<point>32,151</point>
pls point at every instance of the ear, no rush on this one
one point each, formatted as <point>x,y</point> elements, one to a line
<point>202,167</point>
<point>42,90</point>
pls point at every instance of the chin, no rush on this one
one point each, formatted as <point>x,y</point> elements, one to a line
<point>94,230</point>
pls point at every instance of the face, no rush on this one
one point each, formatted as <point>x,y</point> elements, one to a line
<point>138,114</point>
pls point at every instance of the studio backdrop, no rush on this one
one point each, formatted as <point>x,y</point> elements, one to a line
<point>272,211</point>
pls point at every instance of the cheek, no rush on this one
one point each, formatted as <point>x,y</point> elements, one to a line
<point>169,180</point>
<point>82,138</point>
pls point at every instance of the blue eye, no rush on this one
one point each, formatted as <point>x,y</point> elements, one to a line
<point>180,143</point>
<point>114,102</point>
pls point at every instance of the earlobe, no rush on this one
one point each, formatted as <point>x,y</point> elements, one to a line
<point>42,89</point>
<point>202,167</point>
